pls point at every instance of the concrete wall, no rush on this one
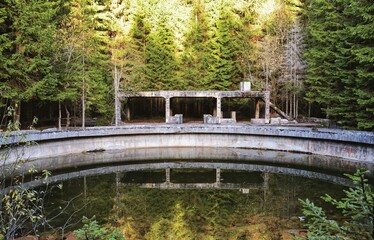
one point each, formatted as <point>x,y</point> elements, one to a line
<point>353,145</point>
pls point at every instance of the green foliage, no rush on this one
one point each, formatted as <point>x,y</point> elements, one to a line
<point>340,60</point>
<point>82,60</point>
<point>160,58</point>
<point>71,51</point>
<point>177,228</point>
<point>21,208</point>
<point>28,30</point>
<point>356,208</point>
<point>195,56</point>
<point>224,46</point>
<point>91,230</point>
<point>187,214</point>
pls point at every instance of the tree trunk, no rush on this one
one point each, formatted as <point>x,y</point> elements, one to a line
<point>67,117</point>
<point>290,105</point>
<point>74,115</point>
<point>83,99</point>
<point>287,112</point>
<point>309,108</point>
<point>83,105</point>
<point>117,110</point>
<point>83,88</point>
<point>59,115</point>
<point>17,112</point>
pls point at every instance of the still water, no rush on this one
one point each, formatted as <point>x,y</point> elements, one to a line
<point>194,198</point>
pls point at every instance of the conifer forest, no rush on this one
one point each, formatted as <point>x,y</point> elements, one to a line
<point>63,58</point>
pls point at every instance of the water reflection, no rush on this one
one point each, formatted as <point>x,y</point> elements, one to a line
<point>166,166</point>
<point>191,193</point>
<point>151,204</point>
<point>277,158</point>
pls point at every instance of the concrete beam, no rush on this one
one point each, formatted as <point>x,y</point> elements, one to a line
<point>197,94</point>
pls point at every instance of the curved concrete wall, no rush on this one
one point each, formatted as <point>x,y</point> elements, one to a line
<point>353,145</point>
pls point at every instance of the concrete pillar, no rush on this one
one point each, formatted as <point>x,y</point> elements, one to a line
<point>218,108</point>
<point>257,108</point>
<point>266,189</point>
<point>127,111</point>
<point>267,107</point>
<point>218,175</point>
<point>266,180</point>
<point>167,175</point>
<point>233,115</point>
<point>167,108</point>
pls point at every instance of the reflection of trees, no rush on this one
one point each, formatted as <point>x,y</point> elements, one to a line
<point>195,214</point>
<point>86,197</point>
<point>188,214</point>
<point>179,212</point>
<point>281,198</point>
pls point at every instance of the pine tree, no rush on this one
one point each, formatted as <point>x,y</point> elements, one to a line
<point>83,69</point>
<point>339,62</point>
<point>225,48</point>
<point>160,59</point>
<point>356,207</point>
<point>360,29</point>
<point>27,37</point>
<point>4,47</point>
<point>136,52</point>
<point>195,56</point>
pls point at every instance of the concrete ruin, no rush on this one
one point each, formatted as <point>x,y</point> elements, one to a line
<point>245,92</point>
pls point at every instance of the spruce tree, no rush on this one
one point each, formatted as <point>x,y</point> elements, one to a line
<point>360,29</point>
<point>27,36</point>
<point>339,49</point>
<point>225,46</point>
<point>195,56</point>
<point>83,62</point>
<point>160,59</point>
<point>136,45</point>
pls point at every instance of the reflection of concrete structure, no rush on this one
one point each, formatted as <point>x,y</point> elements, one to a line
<point>218,95</point>
<point>169,185</point>
<point>218,184</point>
<point>190,165</point>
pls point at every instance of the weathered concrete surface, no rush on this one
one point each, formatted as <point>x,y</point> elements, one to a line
<point>198,94</point>
<point>353,145</point>
<point>176,119</point>
<point>209,119</point>
<point>208,154</point>
<point>219,95</point>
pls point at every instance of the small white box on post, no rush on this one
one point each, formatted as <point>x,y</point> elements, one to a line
<point>245,86</point>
